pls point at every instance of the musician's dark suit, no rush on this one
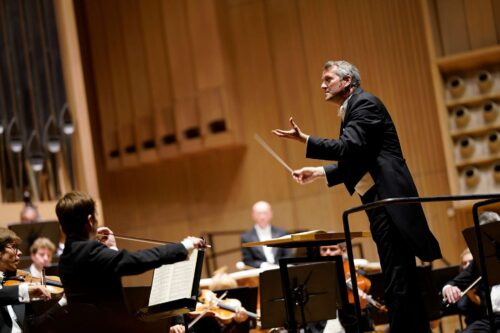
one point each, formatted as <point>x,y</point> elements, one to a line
<point>368,143</point>
<point>10,296</point>
<point>28,319</point>
<point>91,274</point>
<point>254,256</point>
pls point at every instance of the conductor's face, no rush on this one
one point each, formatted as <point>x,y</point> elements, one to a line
<point>333,85</point>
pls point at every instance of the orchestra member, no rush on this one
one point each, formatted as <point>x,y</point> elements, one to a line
<point>15,315</point>
<point>263,256</point>
<point>42,251</point>
<point>370,163</point>
<point>335,325</point>
<point>91,267</point>
<point>477,321</point>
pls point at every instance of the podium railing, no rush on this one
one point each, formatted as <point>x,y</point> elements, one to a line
<point>488,199</point>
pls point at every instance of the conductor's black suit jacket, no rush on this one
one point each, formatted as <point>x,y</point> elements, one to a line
<point>368,142</point>
<point>254,256</point>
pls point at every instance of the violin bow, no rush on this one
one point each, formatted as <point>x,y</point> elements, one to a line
<point>204,312</point>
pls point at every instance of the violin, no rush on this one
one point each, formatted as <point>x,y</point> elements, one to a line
<point>221,309</point>
<point>364,285</point>
<point>52,283</point>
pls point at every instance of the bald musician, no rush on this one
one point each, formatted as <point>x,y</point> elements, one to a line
<point>263,256</point>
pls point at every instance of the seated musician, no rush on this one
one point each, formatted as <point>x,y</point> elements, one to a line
<point>335,325</point>
<point>42,251</point>
<point>452,291</point>
<point>213,323</point>
<point>263,256</point>
<point>91,267</point>
<point>16,316</point>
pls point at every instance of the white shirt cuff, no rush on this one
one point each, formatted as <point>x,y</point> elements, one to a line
<point>188,244</point>
<point>63,301</point>
<point>24,296</point>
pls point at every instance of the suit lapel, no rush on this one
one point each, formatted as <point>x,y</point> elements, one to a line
<point>19,309</point>
<point>348,106</point>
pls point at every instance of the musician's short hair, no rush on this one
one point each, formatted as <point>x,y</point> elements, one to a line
<point>488,217</point>
<point>73,210</point>
<point>7,237</point>
<point>42,243</point>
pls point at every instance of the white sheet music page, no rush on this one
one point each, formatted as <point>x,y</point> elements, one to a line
<point>174,281</point>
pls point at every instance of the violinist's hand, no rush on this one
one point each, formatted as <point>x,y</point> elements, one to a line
<point>38,292</point>
<point>240,315</point>
<point>308,174</point>
<point>363,302</point>
<point>106,237</point>
<point>294,133</point>
<point>177,329</point>
<point>451,293</point>
<point>191,242</point>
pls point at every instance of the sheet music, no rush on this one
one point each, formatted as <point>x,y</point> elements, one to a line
<point>174,281</point>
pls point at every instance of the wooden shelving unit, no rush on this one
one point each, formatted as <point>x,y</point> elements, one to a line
<point>465,66</point>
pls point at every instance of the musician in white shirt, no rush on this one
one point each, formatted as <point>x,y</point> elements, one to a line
<point>261,257</point>
<point>42,251</point>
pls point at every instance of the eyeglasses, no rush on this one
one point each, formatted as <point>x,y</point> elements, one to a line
<point>13,247</point>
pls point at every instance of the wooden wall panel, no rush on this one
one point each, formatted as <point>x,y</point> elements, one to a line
<point>183,73</point>
<point>139,81</point>
<point>284,30</point>
<point>496,17</point>
<point>162,103</point>
<point>102,74</point>
<point>120,83</point>
<point>480,23</point>
<point>275,52</point>
<point>452,18</point>
<point>211,82</point>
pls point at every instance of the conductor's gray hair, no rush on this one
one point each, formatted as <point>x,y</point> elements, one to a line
<point>488,217</point>
<point>345,69</point>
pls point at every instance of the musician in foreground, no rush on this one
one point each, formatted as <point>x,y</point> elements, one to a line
<point>15,316</point>
<point>371,164</point>
<point>452,291</point>
<point>91,267</point>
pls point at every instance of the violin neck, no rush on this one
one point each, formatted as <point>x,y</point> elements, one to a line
<point>233,309</point>
<point>369,297</point>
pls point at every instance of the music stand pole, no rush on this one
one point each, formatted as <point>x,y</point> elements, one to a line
<point>291,324</point>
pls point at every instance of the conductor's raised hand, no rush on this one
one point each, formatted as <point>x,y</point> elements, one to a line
<point>293,133</point>
<point>106,237</point>
<point>308,174</point>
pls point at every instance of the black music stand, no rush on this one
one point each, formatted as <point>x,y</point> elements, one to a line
<point>29,232</point>
<point>303,290</point>
<point>490,234</point>
<point>179,272</point>
<point>484,244</point>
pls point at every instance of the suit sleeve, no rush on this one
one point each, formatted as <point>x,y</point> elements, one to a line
<point>362,126</point>
<point>465,278</point>
<point>130,263</point>
<point>46,321</point>
<point>247,254</point>
<point>9,295</point>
